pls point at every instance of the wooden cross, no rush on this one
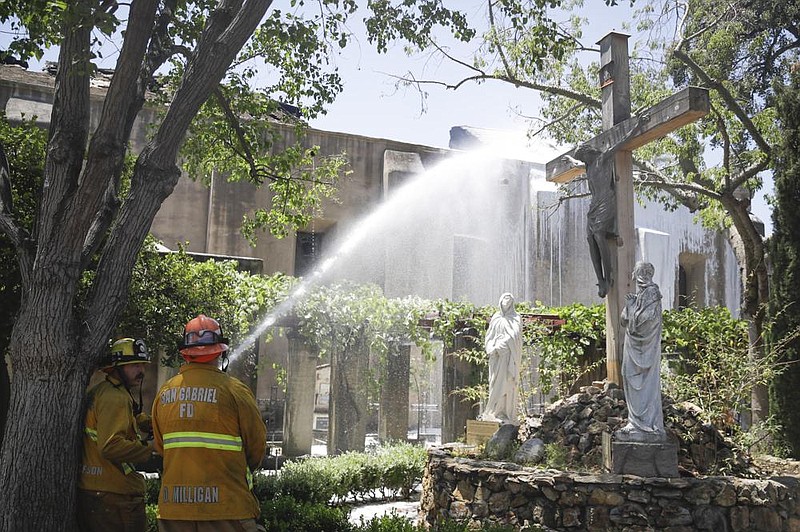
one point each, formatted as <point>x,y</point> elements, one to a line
<point>621,135</point>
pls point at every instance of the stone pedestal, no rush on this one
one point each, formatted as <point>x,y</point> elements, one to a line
<point>645,459</point>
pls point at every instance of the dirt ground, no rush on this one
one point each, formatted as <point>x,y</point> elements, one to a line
<point>777,466</point>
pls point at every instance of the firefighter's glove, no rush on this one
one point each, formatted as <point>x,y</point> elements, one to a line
<point>145,425</point>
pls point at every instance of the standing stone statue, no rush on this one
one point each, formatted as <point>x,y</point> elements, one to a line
<point>641,364</point>
<point>504,347</point>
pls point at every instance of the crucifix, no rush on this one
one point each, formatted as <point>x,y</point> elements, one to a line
<point>607,161</point>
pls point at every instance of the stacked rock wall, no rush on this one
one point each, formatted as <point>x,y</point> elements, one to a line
<point>577,422</point>
<point>480,491</point>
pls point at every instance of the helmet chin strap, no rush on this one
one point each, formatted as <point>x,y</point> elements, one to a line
<point>137,407</point>
<point>225,361</point>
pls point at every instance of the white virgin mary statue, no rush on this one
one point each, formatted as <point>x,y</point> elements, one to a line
<point>504,347</point>
<point>641,364</point>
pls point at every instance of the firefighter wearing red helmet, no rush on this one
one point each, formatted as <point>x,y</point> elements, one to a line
<point>208,428</point>
<point>110,491</point>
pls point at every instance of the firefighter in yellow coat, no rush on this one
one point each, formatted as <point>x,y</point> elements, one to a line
<point>110,491</point>
<point>208,428</point>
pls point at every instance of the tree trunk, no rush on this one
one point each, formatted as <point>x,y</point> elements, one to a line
<point>42,437</point>
<point>748,246</point>
<point>5,386</point>
<point>759,397</point>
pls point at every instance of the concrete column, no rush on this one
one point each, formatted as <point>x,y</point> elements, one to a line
<point>456,373</point>
<point>394,395</point>
<point>348,410</point>
<point>298,413</point>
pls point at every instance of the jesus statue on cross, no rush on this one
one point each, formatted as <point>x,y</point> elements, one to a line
<point>607,161</point>
<point>601,220</point>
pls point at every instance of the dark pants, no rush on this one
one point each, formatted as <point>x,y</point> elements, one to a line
<point>101,511</point>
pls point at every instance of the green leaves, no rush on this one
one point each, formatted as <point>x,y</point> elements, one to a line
<point>413,21</point>
<point>341,316</point>
<point>708,363</point>
<point>35,25</point>
<point>393,469</point>
<point>784,252</point>
<point>254,127</point>
<point>24,146</point>
<point>168,289</point>
<point>569,352</point>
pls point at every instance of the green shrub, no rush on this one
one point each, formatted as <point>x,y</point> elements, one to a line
<point>389,523</point>
<point>712,367</point>
<point>310,480</point>
<point>402,466</point>
<point>389,471</point>
<point>152,521</point>
<point>285,514</point>
<point>266,486</point>
<point>555,456</point>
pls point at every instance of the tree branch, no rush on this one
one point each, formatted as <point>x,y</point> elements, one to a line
<point>102,221</point>
<point>161,45</point>
<point>23,245</point>
<point>106,156</point>
<point>69,130</point>
<point>481,75</point>
<point>749,173</point>
<point>727,97</point>
<point>233,122</point>
<point>567,114</point>
<point>583,99</point>
<point>687,197</point>
<point>687,187</point>
<point>706,28</point>
<point>156,174</point>
<point>14,232</point>
<point>500,50</point>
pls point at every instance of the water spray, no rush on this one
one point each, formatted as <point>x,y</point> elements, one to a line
<point>445,179</point>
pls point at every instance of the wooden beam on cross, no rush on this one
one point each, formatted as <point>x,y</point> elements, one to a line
<point>666,116</point>
<point>621,135</point>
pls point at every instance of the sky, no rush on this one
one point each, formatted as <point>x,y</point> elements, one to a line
<point>373,105</point>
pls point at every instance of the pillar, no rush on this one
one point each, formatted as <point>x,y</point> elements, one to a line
<point>347,426</point>
<point>298,412</point>
<point>393,424</point>
<point>456,373</point>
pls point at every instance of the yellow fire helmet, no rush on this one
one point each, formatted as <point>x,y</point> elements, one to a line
<point>128,351</point>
